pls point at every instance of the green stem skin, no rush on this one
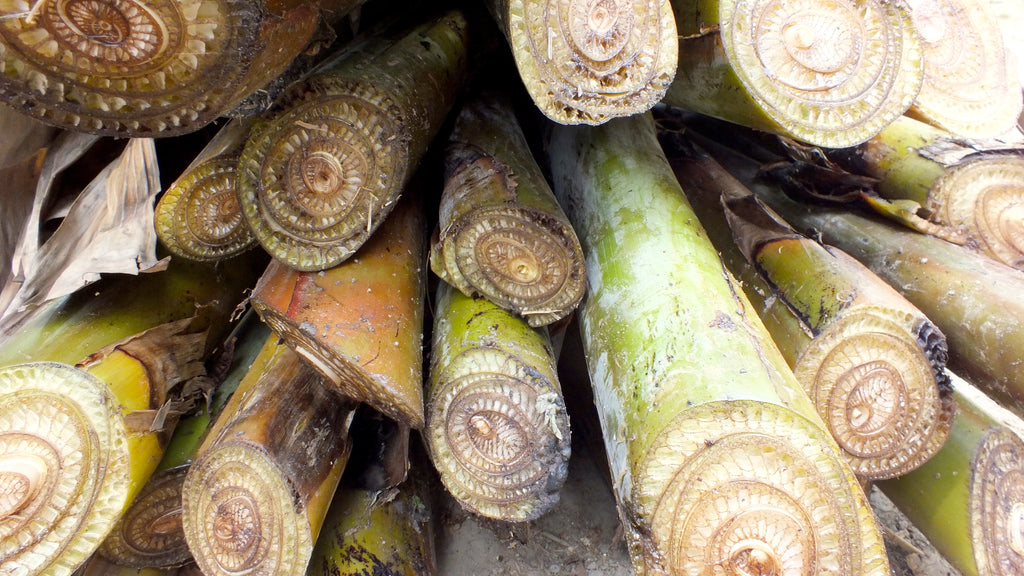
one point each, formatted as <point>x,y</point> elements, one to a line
<point>497,427</point>
<point>762,64</point>
<point>688,385</point>
<point>975,301</point>
<point>960,499</point>
<point>331,162</point>
<point>502,234</point>
<point>256,495</point>
<point>119,306</point>
<point>150,532</point>
<point>870,360</point>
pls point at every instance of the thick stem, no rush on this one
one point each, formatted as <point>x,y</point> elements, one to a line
<point>871,362</point>
<point>360,323</point>
<point>497,427</point>
<point>717,455</point>
<point>157,68</point>
<point>330,166</point>
<point>828,73</point>
<point>587,61</point>
<point>502,234</point>
<point>256,495</point>
<point>199,217</point>
<point>971,87</point>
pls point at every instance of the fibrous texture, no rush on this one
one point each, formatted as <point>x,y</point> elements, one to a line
<point>875,377</point>
<point>832,73</point>
<point>971,86</point>
<point>324,173</point>
<point>63,467</point>
<point>997,504</point>
<point>199,216</point>
<point>149,534</point>
<point>587,61</point>
<point>984,198</point>
<point>497,427</point>
<point>719,461</point>
<point>501,233</point>
<point>121,67</point>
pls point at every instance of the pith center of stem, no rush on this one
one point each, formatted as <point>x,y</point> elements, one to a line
<point>752,557</point>
<point>1015,527</point>
<point>603,16</point>
<point>322,172</point>
<point>236,524</point>
<point>21,478</point>
<point>167,523</point>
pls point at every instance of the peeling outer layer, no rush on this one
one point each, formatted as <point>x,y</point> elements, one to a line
<point>587,61</point>
<point>829,73</point>
<point>984,197</point>
<point>132,68</point>
<point>502,234</point>
<point>971,86</point>
<point>327,169</point>
<point>255,497</point>
<point>497,427</point>
<point>871,362</point>
<point>360,323</point>
<point>699,411</point>
<point>199,217</point>
<point>64,467</point>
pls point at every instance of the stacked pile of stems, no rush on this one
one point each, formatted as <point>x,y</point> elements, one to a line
<point>360,323</point>
<point>157,68</point>
<point>974,300</point>
<point>199,217</point>
<point>973,188</point>
<point>967,500</point>
<point>78,443</point>
<point>587,62</point>
<point>971,87</point>
<point>501,233</point>
<point>871,362</point>
<point>328,166</point>
<point>718,458</point>
<point>150,534</point>
<point>831,74</point>
<point>497,426</point>
<point>256,494</point>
